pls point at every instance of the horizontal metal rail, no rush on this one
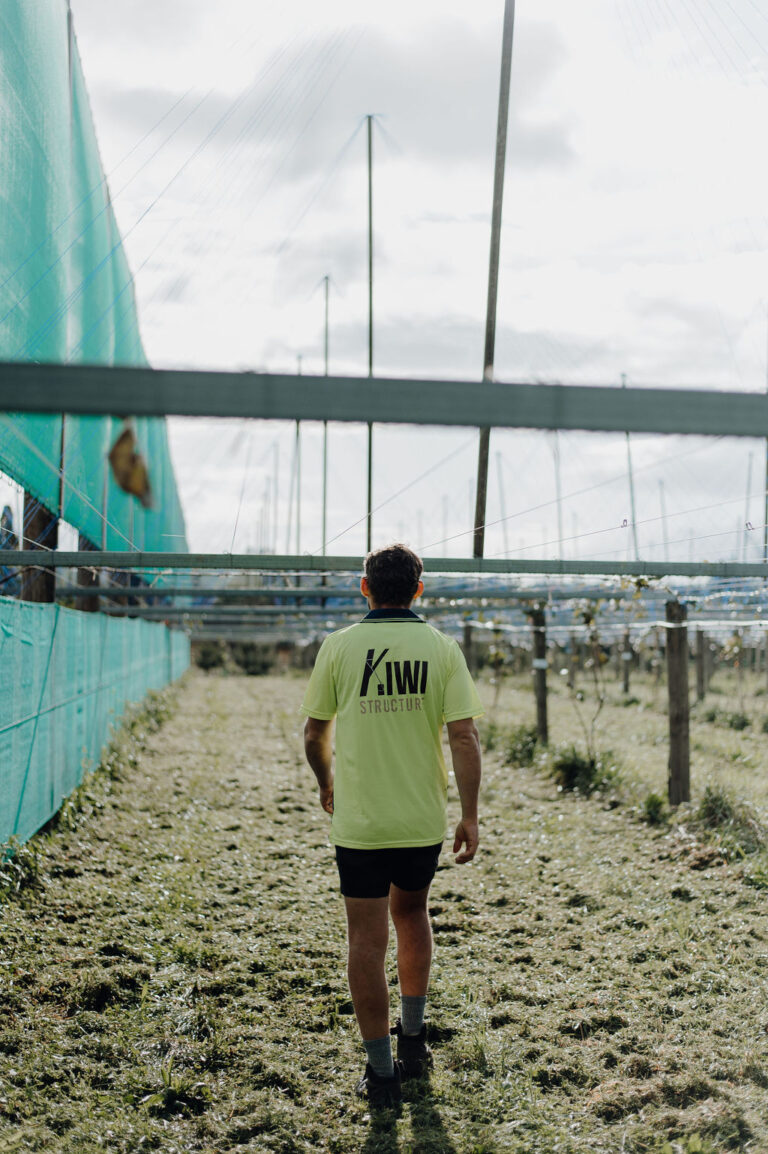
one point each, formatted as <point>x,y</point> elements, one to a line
<point>264,593</point>
<point>265,614</point>
<point>267,594</point>
<point>450,566</point>
<point>138,391</point>
<point>244,612</point>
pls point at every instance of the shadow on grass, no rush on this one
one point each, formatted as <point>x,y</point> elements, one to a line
<point>429,1133</point>
<point>382,1136</point>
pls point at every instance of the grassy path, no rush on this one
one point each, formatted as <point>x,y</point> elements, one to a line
<point>175,981</point>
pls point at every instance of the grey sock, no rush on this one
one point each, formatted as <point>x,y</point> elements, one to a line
<point>412,1013</point>
<point>379,1051</point>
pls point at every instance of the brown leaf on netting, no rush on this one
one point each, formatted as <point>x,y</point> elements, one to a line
<point>129,467</point>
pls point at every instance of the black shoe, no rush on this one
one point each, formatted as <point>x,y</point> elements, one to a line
<point>413,1053</point>
<point>380,1092</point>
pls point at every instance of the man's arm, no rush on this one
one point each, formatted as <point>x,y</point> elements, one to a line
<point>464,741</point>
<point>319,753</point>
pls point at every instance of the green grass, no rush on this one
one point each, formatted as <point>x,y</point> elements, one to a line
<point>173,972</point>
<point>522,745</point>
<point>583,773</point>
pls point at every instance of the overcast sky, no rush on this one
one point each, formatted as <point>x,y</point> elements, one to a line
<point>635,241</point>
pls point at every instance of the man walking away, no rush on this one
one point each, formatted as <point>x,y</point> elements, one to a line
<point>392,681</point>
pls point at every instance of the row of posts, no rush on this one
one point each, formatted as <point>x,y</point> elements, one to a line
<point>677,657</point>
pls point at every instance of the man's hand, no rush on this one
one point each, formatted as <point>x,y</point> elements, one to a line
<point>466,835</point>
<point>326,798</point>
<point>465,753</point>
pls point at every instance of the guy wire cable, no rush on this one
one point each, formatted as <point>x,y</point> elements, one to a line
<point>569,496</point>
<point>39,334</point>
<point>217,172</point>
<point>329,174</point>
<point>223,251</point>
<point>103,184</point>
<point>415,481</point>
<point>261,113</point>
<point>62,309</point>
<point>96,188</point>
<point>62,475</point>
<point>217,127</point>
<point>107,207</point>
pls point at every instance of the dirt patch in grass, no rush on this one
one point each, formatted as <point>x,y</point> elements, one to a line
<point>172,979</point>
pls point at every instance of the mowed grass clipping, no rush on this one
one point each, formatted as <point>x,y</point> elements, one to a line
<point>172,956</point>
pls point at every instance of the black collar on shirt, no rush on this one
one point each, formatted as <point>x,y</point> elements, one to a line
<point>393,615</point>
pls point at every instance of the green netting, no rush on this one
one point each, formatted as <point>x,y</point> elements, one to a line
<point>66,679</point>
<point>66,292</point>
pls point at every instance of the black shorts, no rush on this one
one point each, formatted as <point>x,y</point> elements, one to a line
<point>368,873</point>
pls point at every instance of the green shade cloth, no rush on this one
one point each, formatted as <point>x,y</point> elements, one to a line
<point>66,291</point>
<point>66,679</point>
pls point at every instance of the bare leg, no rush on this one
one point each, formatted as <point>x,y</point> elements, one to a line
<point>368,933</point>
<point>414,939</point>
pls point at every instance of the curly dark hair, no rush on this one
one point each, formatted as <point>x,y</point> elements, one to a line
<point>393,574</point>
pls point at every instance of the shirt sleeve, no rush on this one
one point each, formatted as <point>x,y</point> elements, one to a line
<point>320,698</point>
<point>460,698</point>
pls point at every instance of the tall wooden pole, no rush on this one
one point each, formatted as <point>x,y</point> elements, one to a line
<point>502,506</point>
<point>298,474</point>
<point>559,495</point>
<point>298,489</point>
<point>748,502</point>
<point>626,660</point>
<point>664,521</point>
<point>679,784</point>
<point>468,647</point>
<point>369,527</point>
<point>326,281</point>
<point>275,493</point>
<point>538,628</point>
<point>493,269</point>
<point>701,664</point>
<point>290,493</point>
<point>631,482</point>
<point>765,505</point>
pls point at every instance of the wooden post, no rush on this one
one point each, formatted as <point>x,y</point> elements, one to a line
<point>626,661</point>
<point>469,655</point>
<point>701,664</point>
<point>539,630</point>
<point>87,577</point>
<point>573,661</point>
<point>679,784</point>
<point>40,531</point>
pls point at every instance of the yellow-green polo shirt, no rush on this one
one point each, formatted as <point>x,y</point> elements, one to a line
<point>391,681</point>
